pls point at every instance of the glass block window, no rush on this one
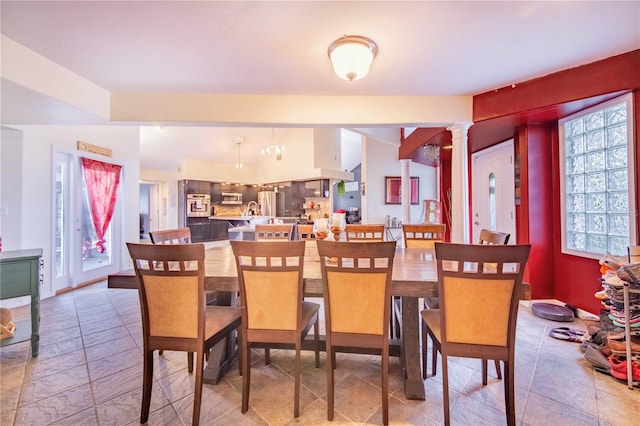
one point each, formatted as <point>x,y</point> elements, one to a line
<point>597,185</point>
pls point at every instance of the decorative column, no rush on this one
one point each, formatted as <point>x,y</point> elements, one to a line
<point>460,183</point>
<point>406,190</point>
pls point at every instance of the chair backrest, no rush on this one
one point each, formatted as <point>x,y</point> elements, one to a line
<point>171,236</point>
<point>270,279</point>
<point>488,236</point>
<point>423,235</point>
<point>368,233</point>
<point>273,232</point>
<point>171,289</point>
<point>305,232</point>
<point>357,291</point>
<point>479,289</point>
<point>633,252</point>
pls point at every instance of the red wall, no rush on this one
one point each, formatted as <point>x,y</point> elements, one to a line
<point>534,215</point>
<point>529,114</point>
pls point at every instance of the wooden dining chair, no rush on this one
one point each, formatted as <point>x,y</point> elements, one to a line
<point>356,280</point>
<point>423,235</point>
<point>305,232</point>
<point>274,232</point>
<point>633,253</point>
<point>488,236</point>
<point>171,236</point>
<point>180,236</point>
<point>479,288</point>
<point>272,304</point>
<point>174,314</point>
<point>368,233</point>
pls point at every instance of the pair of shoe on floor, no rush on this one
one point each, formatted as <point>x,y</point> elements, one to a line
<point>598,341</point>
<point>620,346</point>
<point>619,368</point>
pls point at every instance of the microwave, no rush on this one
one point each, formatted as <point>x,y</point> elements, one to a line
<point>231,198</point>
<point>198,205</point>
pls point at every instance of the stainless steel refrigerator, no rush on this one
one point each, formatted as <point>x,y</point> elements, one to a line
<point>267,202</point>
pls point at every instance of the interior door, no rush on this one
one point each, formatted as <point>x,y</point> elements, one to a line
<point>493,190</point>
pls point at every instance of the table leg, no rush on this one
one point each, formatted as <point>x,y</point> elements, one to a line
<point>223,354</point>
<point>410,351</point>
<point>35,325</point>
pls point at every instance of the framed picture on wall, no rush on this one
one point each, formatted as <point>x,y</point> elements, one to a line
<point>393,189</point>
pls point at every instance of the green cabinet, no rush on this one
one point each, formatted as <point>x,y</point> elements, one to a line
<point>20,276</point>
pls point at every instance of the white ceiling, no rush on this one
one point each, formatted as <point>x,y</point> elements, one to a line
<point>278,47</point>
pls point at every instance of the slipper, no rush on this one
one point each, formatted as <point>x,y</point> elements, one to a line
<point>566,333</point>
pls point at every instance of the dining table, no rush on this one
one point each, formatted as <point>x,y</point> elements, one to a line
<point>414,276</point>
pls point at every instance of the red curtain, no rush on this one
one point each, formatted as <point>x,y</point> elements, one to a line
<point>102,181</point>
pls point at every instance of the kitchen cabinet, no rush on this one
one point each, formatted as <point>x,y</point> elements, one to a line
<point>317,188</point>
<point>219,230</point>
<point>216,193</point>
<point>20,276</point>
<point>198,187</point>
<point>200,229</point>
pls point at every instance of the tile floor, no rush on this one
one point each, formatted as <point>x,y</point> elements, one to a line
<point>90,365</point>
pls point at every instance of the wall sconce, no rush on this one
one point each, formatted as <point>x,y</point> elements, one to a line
<point>352,56</point>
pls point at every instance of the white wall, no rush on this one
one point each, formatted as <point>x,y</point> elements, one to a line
<point>36,221</point>
<point>377,163</point>
<point>10,188</point>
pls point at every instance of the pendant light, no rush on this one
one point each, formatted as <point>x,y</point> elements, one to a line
<point>238,163</point>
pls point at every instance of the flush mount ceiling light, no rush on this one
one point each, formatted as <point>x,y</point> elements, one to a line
<point>351,56</point>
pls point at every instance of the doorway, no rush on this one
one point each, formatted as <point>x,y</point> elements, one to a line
<point>77,258</point>
<point>149,209</point>
<point>493,190</point>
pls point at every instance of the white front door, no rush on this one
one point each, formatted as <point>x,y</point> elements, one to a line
<point>493,190</point>
<point>77,259</point>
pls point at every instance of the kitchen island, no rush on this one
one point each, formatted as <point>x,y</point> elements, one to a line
<point>243,227</point>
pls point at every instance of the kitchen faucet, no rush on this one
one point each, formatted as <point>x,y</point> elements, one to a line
<point>247,211</point>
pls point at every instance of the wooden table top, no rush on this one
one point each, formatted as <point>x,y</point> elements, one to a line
<point>414,272</point>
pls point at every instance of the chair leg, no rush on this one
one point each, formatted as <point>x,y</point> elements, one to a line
<point>509,393</point>
<point>484,372</point>
<point>385,388</point>
<point>434,358</point>
<point>190,362</point>
<point>425,341</point>
<point>246,374</point>
<point>296,392</point>
<point>445,391</point>
<point>197,397</point>
<point>267,355</point>
<point>316,334</point>
<point>330,367</point>
<point>498,369</point>
<point>147,382</point>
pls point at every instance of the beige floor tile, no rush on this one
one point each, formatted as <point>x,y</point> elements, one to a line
<point>53,384</point>
<point>63,386</point>
<point>38,368</point>
<point>126,408</point>
<point>55,407</point>
<point>541,411</point>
